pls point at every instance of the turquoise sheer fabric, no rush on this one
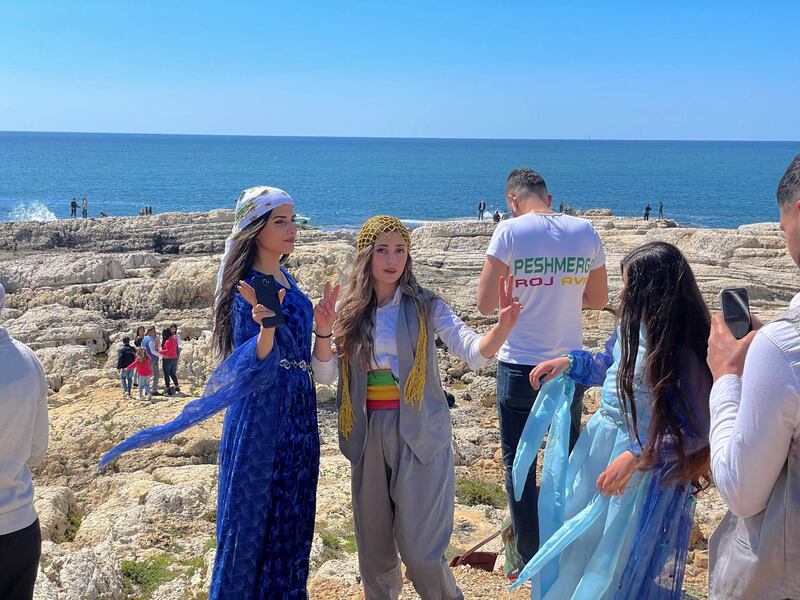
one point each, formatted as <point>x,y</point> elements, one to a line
<point>594,546</point>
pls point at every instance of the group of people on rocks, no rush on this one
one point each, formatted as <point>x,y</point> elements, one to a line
<point>648,209</point>
<point>681,399</point>
<point>151,354</point>
<point>73,209</point>
<point>497,216</point>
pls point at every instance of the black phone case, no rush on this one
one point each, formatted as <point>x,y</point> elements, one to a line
<point>739,327</point>
<point>267,295</point>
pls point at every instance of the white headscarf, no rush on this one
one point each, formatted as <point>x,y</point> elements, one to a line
<point>252,204</point>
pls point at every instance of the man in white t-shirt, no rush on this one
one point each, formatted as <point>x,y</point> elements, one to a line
<point>558,265</point>
<point>23,442</point>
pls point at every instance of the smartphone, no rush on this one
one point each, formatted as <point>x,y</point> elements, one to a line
<point>736,311</point>
<point>267,295</point>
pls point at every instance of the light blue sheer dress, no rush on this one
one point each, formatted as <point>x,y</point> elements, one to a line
<point>594,546</point>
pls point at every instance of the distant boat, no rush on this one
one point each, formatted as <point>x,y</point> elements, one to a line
<point>301,219</point>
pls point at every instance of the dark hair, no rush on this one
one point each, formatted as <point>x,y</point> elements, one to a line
<point>142,327</point>
<point>789,186</point>
<point>526,182</point>
<point>166,334</point>
<point>239,262</point>
<point>126,340</point>
<point>661,294</point>
<point>175,325</point>
<point>151,328</point>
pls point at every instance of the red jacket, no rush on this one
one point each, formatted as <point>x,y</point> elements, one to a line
<point>169,349</point>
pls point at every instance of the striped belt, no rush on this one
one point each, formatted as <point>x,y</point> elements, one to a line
<point>382,391</point>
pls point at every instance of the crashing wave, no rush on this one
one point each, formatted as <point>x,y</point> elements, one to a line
<point>31,211</point>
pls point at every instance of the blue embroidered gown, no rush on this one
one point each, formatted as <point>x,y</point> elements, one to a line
<point>268,458</point>
<point>600,547</point>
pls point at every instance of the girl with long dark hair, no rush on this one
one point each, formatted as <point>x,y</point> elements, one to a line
<point>628,493</point>
<point>394,422</point>
<point>269,452</point>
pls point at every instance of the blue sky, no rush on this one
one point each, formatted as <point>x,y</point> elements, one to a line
<point>619,70</point>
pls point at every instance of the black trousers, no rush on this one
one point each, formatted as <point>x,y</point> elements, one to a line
<point>170,370</point>
<point>19,562</point>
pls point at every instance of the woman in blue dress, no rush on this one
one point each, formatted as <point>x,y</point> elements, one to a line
<point>269,452</point>
<point>618,513</point>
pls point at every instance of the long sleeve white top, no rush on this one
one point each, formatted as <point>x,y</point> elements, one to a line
<point>23,431</point>
<point>459,339</point>
<point>151,346</point>
<point>754,419</point>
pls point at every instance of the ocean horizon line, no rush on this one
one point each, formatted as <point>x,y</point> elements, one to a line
<point>411,222</point>
<point>390,137</point>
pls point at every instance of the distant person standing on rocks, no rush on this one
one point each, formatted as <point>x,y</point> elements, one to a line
<point>125,356</point>
<point>150,344</point>
<point>558,264</point>
<point>660,210</point>
<point>169,350</point>
<point>143,367</point>
<point>73,209</point>
<point>23,442</point>
<point>647,210</point>
<point>481,209</point>
<point>137,342</point>
<point>561,207</point>
<point>85,208</point>
<point>269,451</point>
<point>140,333</point>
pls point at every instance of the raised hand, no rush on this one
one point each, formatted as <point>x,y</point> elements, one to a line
<point>325,310</point>
<point>259,311</point>
<point>547,371</point>
<point>510,307</point>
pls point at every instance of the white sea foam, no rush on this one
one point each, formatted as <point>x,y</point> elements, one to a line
<point>31,211</point>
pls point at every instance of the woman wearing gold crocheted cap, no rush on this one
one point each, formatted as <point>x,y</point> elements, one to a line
<point>394,422</point>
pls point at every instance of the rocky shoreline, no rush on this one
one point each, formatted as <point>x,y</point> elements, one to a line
<point>145,528</point>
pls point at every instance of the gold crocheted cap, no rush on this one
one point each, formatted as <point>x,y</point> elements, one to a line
<point>378,225</point>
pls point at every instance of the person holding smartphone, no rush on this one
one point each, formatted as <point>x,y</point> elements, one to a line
<point>269,452</point>
<point>755,442</point>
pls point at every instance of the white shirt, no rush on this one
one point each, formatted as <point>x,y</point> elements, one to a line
<point>550,257</point>
<point>23,431</point>
<point>459,339</point>
<point>755,419</point>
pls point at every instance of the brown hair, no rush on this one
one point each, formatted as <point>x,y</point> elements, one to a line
<point>356,314</point>
<point>240,260</point>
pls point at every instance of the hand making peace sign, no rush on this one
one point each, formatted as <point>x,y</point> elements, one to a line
<point>325,310</point>
<point>509,306</point>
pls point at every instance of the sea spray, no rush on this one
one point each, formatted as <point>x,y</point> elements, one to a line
<point>31,211</point>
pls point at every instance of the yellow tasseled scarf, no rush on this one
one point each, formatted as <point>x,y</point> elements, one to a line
<point>412,390</point>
